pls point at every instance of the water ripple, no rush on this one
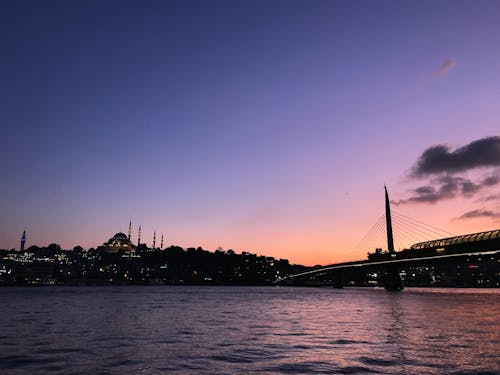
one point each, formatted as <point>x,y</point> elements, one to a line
<point>231,330</point>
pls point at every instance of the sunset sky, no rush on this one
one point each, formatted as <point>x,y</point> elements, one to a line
<point>262,126</point>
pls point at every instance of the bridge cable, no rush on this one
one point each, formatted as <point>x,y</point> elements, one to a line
<point>431,228</point>
<point>374,238</point>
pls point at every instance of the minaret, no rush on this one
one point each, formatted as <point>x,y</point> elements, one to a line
<point>139,236</point>
<point>161,246</point>
<point>388,221</point>
<point>129,229</point>
<point>154,240</point>
<point>23,241</point>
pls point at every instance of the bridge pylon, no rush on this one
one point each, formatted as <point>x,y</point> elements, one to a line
<point>338,279</point>
<point>392,278</point>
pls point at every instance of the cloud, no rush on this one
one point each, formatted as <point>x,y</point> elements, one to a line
<point>491,181</point>
<point>490,198</point>
<point>445,67</point>
<point>447,187</point>
<point>474,214</point>
<point>428,194</point>
<point>470,171</point>
<point>439,159</point>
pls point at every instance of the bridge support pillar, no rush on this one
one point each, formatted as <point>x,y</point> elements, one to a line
<point>338,280</point>
<point>392,279</point>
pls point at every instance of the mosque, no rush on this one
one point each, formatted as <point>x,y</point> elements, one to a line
<point>121,242</point>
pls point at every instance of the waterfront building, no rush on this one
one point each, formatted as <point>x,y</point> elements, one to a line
<point>120,241</point>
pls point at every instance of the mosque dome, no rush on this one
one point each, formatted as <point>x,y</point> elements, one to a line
<point>120,236</point>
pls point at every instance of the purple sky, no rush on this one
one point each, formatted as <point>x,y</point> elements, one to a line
<point>262,126</point>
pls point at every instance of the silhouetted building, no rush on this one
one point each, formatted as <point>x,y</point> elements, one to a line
<point>119,241</point>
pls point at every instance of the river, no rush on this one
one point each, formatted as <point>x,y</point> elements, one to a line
<point>247,330</point>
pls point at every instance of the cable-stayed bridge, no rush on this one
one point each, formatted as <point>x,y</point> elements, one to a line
<point>418,245</point>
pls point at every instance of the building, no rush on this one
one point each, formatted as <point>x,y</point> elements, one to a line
<point>120,241</point>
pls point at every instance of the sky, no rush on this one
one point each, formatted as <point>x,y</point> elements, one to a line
<point>262,126</point>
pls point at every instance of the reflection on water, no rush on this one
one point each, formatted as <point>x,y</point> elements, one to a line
<point>155,330</point>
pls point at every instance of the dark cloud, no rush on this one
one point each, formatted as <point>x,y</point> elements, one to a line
<point>480,213</point>
<point>494,197</point>
<point>425,190</point>
<point>469,188</point>
<point>439,159</point>
<point>441,166</point>
<point>445,67</point>
<point>491,181</point>
<point>427,194</point>
<point>447,187</point>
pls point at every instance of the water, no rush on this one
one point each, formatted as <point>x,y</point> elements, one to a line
<point>246,330</point>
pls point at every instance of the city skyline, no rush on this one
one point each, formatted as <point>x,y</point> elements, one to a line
<point>261,126</point>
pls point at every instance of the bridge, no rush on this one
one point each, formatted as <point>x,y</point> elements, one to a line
<point>448,250</point>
